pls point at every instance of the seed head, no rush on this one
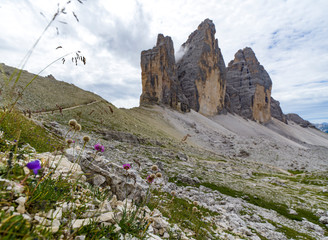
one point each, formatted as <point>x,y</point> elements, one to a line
<point>194,209</point>
<point>77,127</point>
<point>154,168</point>
<point>158,175</point>
<point>72,123</point>
<point>173,193</point>
<point>86,139</point>
<point>195,203</point>
<point>69,141</point>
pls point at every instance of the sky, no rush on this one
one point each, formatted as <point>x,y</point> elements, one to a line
<point>289,38</point>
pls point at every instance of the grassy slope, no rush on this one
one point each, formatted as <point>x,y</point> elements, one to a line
<point>45,92</point>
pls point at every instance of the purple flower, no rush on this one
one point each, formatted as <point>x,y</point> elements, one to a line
<point>34,165</point>
<point>150,178</point>
<point>126,166</point>
<point>99,147</point>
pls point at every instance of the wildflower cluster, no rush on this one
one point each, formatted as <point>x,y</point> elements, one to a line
<point>154,174</point>
<point>99,148</point>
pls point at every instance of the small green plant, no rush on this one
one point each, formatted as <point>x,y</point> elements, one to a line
<point>98,231</point>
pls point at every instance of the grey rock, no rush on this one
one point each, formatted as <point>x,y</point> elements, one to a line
<point>98,180</point>
<point>124,184</point>
<point>300,121</point>
<point>202,71</point>
<point>248,85</point>
<point>183,157</point>
<point>188,180</point>
<point>276,111</point>
<point>323,220</point>
<point>81,237</point>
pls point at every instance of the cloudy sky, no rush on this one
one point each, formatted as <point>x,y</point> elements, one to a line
<point>289,38</point>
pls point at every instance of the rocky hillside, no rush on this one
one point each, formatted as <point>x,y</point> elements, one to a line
<point>250,181</point>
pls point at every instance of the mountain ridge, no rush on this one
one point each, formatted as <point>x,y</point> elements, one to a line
<point>206,85</point>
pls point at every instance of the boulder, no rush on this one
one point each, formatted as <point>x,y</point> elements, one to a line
<point>124,184</point>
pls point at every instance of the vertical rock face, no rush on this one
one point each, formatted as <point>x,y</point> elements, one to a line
<point>276,111</point>
<point>159,76</point>
<point>248,87</point>
<point>202,72</point>
<point>200,80</point>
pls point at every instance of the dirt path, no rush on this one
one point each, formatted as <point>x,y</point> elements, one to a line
<point>68,108</point>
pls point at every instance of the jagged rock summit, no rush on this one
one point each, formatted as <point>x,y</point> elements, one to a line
<point>159,76</point>
<point>199,80</point>
<point>202,71</point>
<point>248,87</point>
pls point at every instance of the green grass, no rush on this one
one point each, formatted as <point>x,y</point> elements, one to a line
<point>16,127</point>
<point>98,231</point>
<point>179,211</point>
<point>280,208</point>
<point>56,93</point>
<point>16,227</point>
<point>291,233</point>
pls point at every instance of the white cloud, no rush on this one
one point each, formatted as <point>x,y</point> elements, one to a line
<point>288,37</point>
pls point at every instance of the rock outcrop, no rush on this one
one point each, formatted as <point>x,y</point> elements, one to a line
<point>159,76</point>
<point>248,87</point>
<point>276,111</point>
<point>300,121</point>
<point>202,72</point>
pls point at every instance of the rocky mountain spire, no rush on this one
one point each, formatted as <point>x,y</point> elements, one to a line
<point>276,111</point>
<point>201,70</point>
<point>200,81</point>
<point>159,76</point>
<point>248,87</point>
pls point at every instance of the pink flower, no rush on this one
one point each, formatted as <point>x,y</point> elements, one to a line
<point>100,148</point>
<point>150,178</point>
<point>126,166</point>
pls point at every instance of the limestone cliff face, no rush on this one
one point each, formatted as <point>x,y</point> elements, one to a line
<point>159,76</point>
<point>276,111</point>
<point>248,87</point>
<point>200,80</point>
<point>202,72</point>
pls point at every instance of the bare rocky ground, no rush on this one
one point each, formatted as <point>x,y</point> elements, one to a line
<point>264,182</point>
